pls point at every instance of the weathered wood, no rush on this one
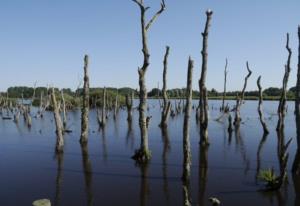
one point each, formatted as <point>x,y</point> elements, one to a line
<point>58,124</point>
<point>259,108</point>
<point>281,111</point>
<point>116,105</point>
<point>85,104</point>
<point>225,84</point>
<point>103,113</point>
<point>143,154</point>
<point>64,110</point>
<point>203,101</point>
<point>186,125</point>
<point>240,99</point>
<point>166,103</point>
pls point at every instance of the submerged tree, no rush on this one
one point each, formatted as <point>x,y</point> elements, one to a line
<point>225,84</point>
<point>240,99</point>
<point>85,104</point>
<point>203,102</point>
<point>143,154</point>
<point>282,102</point>
<point>58,124</point>
<point>166,103</point>
<point>259,108</point>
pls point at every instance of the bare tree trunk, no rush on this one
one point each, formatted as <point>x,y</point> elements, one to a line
<point>186,126</point>
<point>85,104</point>
<point>259,108</point>
<point>166,105</point>
<point>240,99</point>
<point>116,106</point>
<point>296,164</point>
<point>203,102</point>
<point>103,113</point>
<point>129,101</point>
<point>58,124</point>
<point>225,83</point>
<point>64,110</point>
<point>282,102</point>
<point>144,154</point>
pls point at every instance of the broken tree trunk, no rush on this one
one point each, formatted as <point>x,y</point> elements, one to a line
<point>129,101</point>
<point>64,110</point>
<point>143,154</point>
<point>203,102</point>
<point>58,124</point>
<point>186,126</point>
<point>85,104</point>
<point>282,102</point>
<point>103,113</point>
<point>240,99</point>
<point>225,83</point>
<point>259,108</point>
<point>166,103</point>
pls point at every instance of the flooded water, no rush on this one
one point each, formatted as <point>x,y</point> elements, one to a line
<point>104,174</point>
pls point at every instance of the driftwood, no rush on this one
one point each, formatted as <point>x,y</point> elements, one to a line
<point>259,108</point>
<point>240,99</point>
<point>58,123</point>
<point>143,153</point>
<point>186,125</point>
<point>166,103</point>
<point>281,111</point>
<point>203,102</point>
<point>225,84</point>
<point>85,104</point>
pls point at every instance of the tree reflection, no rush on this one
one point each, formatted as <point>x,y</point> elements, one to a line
<point>203,171</point>
<point>166,150</point>
<point>59,156</point>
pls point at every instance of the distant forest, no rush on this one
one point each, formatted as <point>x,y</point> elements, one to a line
<point>27,92</point>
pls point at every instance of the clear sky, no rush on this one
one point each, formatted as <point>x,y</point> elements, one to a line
<point>45,41</point>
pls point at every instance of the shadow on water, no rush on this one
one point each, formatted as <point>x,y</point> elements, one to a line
<point>130,135</point>
<point>166,150</point>
<point>88,174</point>
<point>239,145</point>
<point>104,146</point>
<point>59,156</point>
<point>203,172</point>
<point>144,184</point>
<point>258,155</point>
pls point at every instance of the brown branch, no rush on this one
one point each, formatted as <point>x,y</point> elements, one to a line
<point>162,8</point>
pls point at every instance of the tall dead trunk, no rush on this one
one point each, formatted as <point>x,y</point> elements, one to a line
<point>240,99</point>
<point>166,103</point>
<point>116,106</point>
<point>58,124</point>
<point>143,154</point>
<point>186,126</point>
<point>225,84</point>
<point>259,108</point>
<point>282,102</point>
<point>85,104</point>
<point>296,164</point>
<point>203,102</point>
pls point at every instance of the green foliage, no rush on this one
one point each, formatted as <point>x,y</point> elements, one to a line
<point>267,176</point>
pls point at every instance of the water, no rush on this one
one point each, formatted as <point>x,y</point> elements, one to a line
<point>104,174</point>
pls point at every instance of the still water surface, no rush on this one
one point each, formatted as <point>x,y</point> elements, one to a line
<point>104,174</point>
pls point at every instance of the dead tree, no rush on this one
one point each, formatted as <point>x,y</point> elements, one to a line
<point>296,164</point>
<point>103,113</point>
<point>116,106</point>
<point>166,103</point>
<point>143,154</point>
<point>225,84</point>
<point>281,111</point>
<point>240,99</point>
<point>259,108</point>
<point>203,102</point>
<point>58,123</point>
<point>186,126</point>
<point>85,103</point>
<point>64,110</point>
<point>129,101</point>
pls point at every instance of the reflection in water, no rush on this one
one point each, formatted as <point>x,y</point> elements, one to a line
<point>144,188</point>
<point>258,160</point>
<point>203,170</point>
<point>130,135</point>
<point>166,150</point>
<point>104,146</point>
<point>88,173</point>
<point>239,144</point>
<point>59,156</point>
<point>296,181</point>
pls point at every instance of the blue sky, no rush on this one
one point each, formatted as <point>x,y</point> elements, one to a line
<point>45,41</point>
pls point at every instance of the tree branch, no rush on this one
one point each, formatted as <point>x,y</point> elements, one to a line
<point>162,8</point>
